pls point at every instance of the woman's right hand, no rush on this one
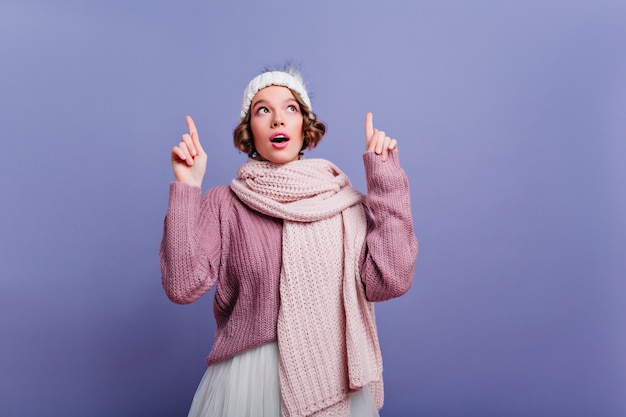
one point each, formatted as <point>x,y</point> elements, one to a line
<point>188,158</point>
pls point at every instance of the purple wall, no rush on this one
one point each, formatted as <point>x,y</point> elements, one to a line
<point>511,123</point>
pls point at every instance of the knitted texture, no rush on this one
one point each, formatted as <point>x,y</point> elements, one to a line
<point>216,241</point>
<point>290,79</point>
<point>326,327</point>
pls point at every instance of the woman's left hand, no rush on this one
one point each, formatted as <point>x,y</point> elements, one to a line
<point>376,140</point>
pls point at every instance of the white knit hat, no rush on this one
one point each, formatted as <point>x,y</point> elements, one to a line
<point>289,78</point>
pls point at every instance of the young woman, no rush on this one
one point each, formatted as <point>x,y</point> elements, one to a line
<point>297,255</point>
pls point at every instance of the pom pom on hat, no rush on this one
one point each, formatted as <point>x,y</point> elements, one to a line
<point>290,78</point>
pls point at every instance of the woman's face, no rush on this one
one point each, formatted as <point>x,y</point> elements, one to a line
<point>276,124</point>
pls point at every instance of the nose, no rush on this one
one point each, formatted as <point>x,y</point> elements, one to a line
<point>277,120</point>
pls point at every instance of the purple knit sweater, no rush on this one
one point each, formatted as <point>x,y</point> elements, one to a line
<point>217,240</point>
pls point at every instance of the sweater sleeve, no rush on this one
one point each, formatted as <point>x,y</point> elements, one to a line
<point>191,245</point>
<point>390,246</point>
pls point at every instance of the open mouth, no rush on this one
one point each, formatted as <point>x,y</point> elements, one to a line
<point>280,138</point>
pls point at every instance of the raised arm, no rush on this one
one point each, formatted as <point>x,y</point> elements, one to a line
<point>191,245</point>
<point>391,246</point>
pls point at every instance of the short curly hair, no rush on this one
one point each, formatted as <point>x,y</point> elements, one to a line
<point>313,130</point>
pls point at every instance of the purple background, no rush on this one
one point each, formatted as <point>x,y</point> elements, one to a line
<point>511,121</point>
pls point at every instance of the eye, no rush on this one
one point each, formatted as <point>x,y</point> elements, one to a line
<point>292,108</point>
<point>262,110</point>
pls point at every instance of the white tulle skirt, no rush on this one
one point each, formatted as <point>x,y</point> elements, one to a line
<point>247,385</point>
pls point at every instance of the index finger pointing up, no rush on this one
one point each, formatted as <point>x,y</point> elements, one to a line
<point>191,126</point>
<point>369,126</point>
<point>193,132</point>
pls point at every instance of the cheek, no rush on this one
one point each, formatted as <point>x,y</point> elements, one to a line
<point>255,129</point>
<point>257,142</point>
<point>299,125</point>
<point>302,130</point>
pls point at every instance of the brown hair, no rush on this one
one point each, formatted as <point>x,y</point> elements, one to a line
<point>313,130</point>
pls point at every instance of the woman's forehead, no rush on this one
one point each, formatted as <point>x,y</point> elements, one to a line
<point>277,93</point>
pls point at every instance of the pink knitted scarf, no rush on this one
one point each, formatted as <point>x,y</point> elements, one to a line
<point>327,333</point>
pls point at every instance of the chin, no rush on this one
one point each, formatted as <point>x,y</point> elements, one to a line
<point>280,159</point>
<point>284,160</point>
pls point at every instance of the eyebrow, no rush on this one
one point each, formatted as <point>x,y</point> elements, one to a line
<point>263,101</point>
